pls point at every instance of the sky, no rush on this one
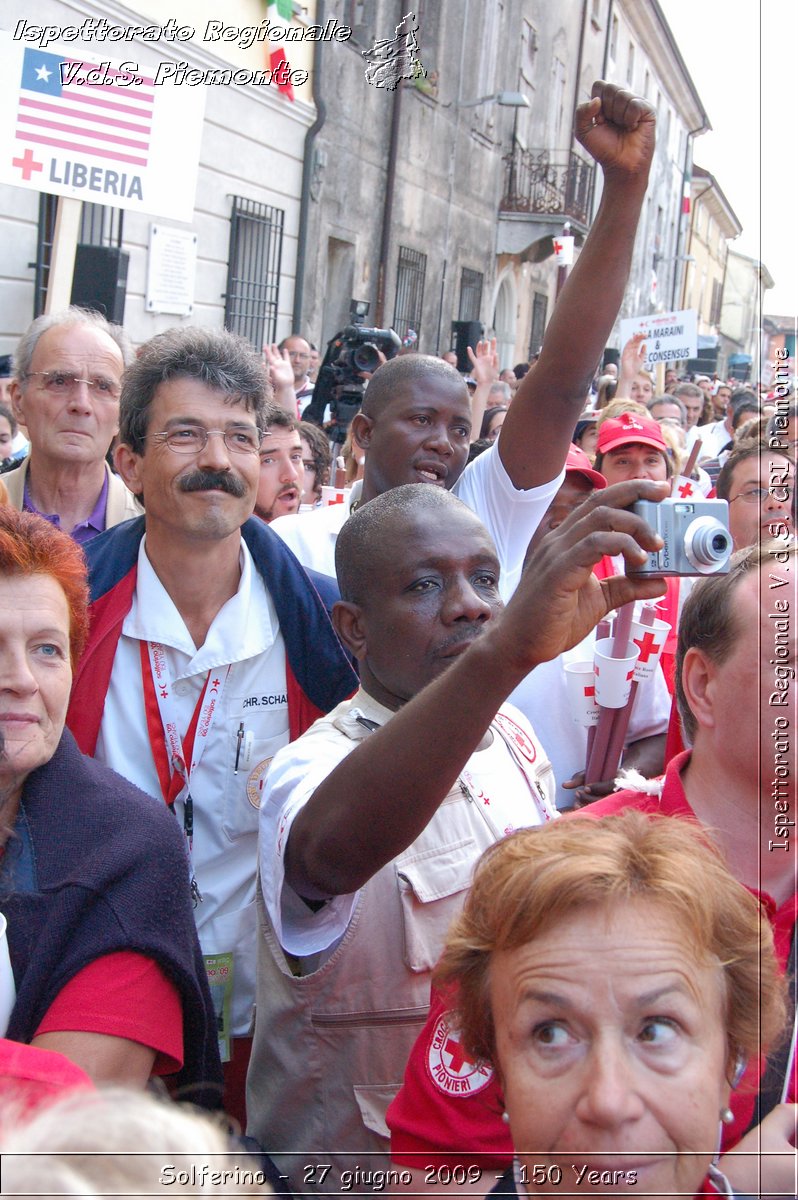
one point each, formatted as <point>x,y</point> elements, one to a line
<point>752,149</point>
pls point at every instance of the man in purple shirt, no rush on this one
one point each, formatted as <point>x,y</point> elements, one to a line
<point>67,379</point>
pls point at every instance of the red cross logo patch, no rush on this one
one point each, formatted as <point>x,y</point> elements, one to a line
<point>449,1067</point>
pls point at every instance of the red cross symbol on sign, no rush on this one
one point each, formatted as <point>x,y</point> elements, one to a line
<point>215,685</point>
<point>27,164</point>
<point>164,693</point>
<point>590,691</point>
<point>459,1057</point>
<point>558,247</point>
<point>686,490</point>
<point>648,645</point>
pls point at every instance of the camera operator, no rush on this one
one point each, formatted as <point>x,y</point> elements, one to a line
<point>352,357</point>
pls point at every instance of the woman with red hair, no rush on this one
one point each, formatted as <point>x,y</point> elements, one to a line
<point>94,881</point>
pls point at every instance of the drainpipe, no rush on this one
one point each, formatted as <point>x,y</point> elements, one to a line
<point>307,176</point>
<point>387,211</point>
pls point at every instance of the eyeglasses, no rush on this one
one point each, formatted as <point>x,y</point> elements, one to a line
<point>192,439</point>
<point>757,495</point>
<point>61,383</point>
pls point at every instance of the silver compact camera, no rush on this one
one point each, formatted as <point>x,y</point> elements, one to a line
<point>695,533</point>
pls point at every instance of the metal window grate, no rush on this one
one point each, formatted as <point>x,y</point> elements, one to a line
<point>45,235</point>
<point>253,273</point>
<point>100,225</point>
<point>470,294</point>
<point>410,272</point>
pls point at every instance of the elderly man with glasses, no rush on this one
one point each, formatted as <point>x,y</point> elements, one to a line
<point>65,391</point>
<point>210,648</point>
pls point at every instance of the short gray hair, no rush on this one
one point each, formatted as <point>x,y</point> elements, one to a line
<point>74,316</point>
<point>220,360</point>
<point>666,399</point>
<point>688,389</point>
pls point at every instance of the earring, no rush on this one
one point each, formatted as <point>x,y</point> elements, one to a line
<point>506,1117</point>
<point>726,1116</point>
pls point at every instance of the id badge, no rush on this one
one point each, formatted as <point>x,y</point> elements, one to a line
<point>219,970</point>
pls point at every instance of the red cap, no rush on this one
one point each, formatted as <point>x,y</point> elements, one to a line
<point>578,461</point>
<point>629,428</point>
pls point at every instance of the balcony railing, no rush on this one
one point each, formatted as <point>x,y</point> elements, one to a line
<point>539,181</point>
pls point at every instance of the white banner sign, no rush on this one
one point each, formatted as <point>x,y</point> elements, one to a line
<point>102,131</point>
<point>670,337</point>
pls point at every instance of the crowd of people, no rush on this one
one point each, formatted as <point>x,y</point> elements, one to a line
<point>294,809</point>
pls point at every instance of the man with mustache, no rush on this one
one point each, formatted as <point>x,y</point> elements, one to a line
<point>373,820</point>
<point>209,645</point>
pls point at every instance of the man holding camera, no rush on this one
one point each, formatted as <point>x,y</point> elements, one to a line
<point>371,822</point>
<point>415,422</point>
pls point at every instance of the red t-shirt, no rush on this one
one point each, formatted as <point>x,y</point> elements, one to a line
<point>125,995</point>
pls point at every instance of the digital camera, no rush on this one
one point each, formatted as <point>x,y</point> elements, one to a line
<point>695,533</point>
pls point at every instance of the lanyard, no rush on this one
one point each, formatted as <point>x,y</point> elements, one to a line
<point>177,759</point>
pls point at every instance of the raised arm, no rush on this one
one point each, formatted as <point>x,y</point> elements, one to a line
<point>383,794</point>
<point>485,369</point>
<point>282,377</point>
<point>617,129</point>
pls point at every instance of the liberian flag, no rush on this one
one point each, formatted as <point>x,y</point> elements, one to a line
<point>108,121</point>
<point>279,13</point>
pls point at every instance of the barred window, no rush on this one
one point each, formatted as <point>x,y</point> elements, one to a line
<point>470,295</point>
<point>45,236</point>
<point>100,225</point>
<point>253,272</point>
<point>410,272</point>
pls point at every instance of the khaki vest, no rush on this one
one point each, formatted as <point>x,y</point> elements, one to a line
<point>330,1048</point>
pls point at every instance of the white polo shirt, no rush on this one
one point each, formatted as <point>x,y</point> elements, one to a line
<point>244,633</point>
<point>510,514</point>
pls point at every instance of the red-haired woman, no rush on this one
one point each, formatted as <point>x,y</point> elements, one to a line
<point>94,881</point>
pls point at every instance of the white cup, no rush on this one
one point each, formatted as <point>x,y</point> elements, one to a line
<point>582,693</point>
<point>613,675</point>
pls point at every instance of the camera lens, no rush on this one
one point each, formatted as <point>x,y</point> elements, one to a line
<point>707,545</point>
<point>366,357</point>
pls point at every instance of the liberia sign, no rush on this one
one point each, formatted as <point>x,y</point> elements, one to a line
<point>101,131</point>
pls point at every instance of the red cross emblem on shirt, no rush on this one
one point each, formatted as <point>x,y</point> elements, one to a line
<point>647,645</point>
<point>686,490</point>
<point>458,1055</point>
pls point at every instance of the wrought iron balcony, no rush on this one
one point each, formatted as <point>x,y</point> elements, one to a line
<point>556,183</point>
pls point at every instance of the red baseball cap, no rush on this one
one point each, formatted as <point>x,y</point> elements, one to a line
<point>627,429</point>
<point>579,462</point>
